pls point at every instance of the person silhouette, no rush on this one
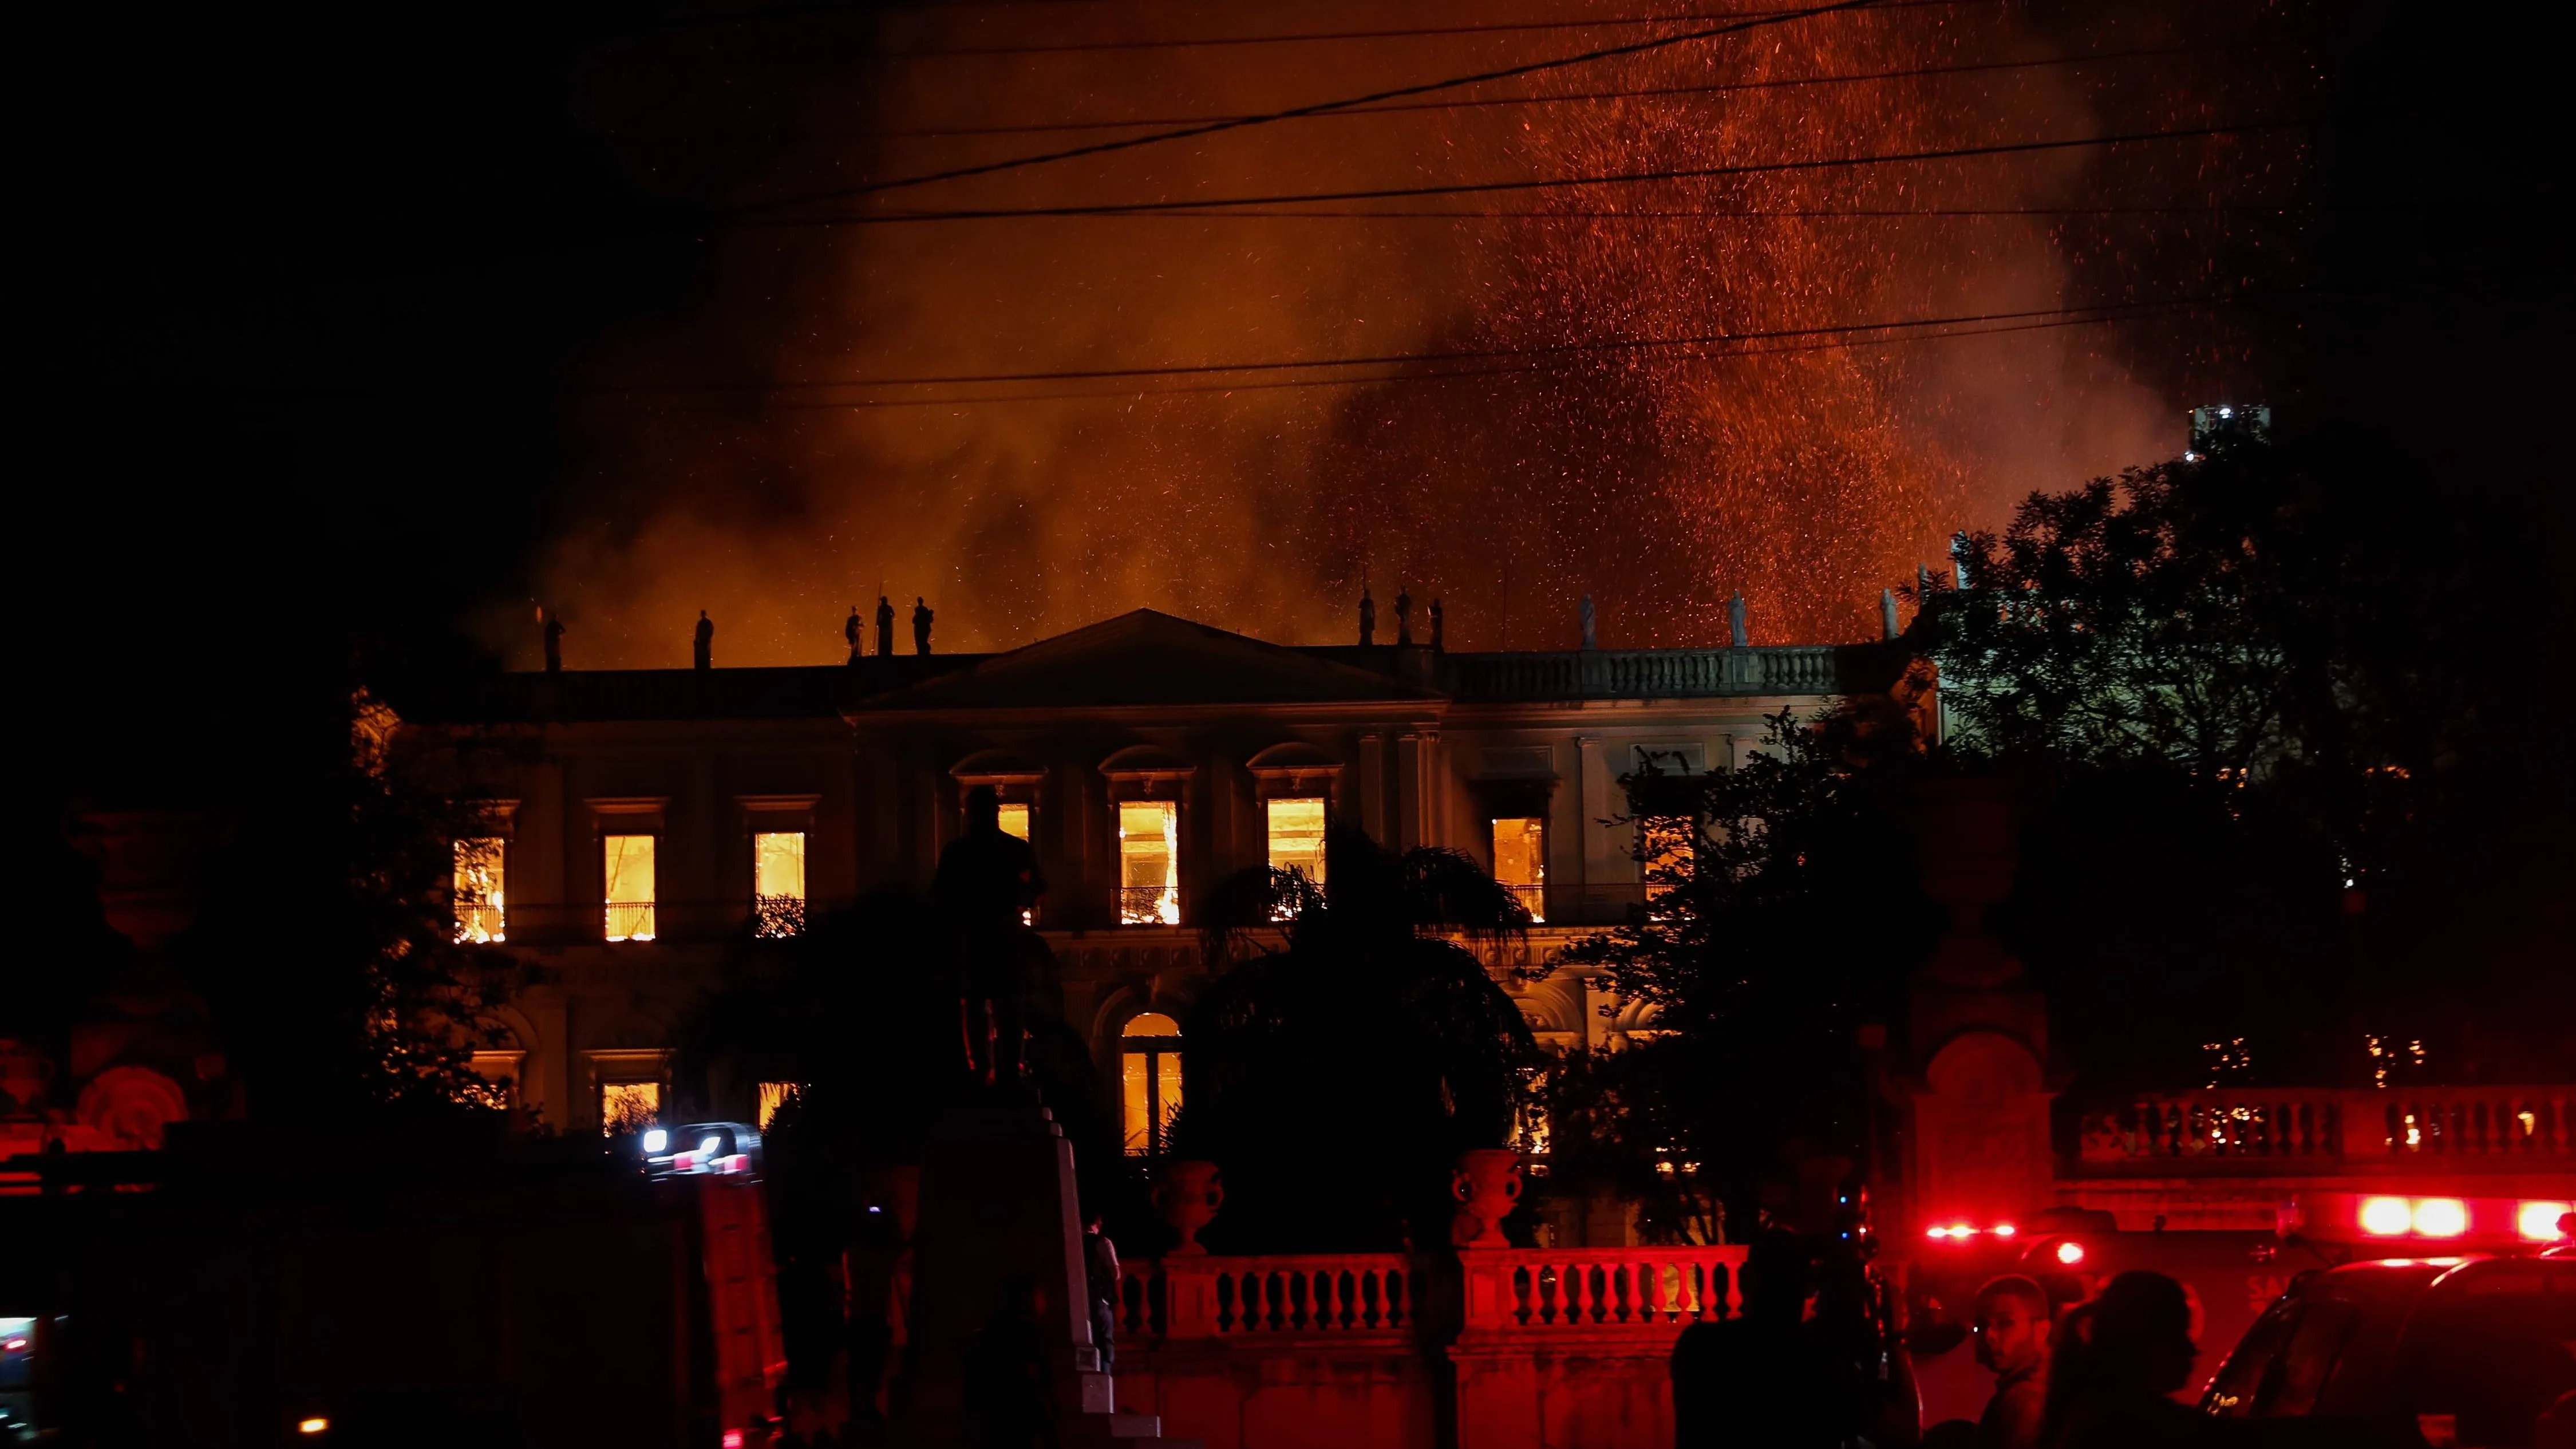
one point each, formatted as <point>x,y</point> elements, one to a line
<point>2116,1362</point>
<point>705,646</point>
<point>885,627</point>
<point>987,883</point>
<point>1756,1378</point>
<point>920,625</point>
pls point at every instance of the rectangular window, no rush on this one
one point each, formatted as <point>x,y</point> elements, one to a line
<point>1297,837</point>
<point>773,1097</point>
<point>478,891</point>
<point>628,881</point>
<point>1520,861</point>
<point>1015,820</point>
<point>1149,863</point>
<point>629,1106</point>
<point>1150,1083</point>
<point>1664,843</point>
<point>777,883</point>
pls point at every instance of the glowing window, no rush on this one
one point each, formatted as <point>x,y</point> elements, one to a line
<point>628,880</point>
<point>1297,837</point>
<point>773,1097</point>
<point>629,1106</point>
<point>777,882</point>
<point>1149,863</point>
<point>480,865</point>
<point>1015,820</point>
<point>1150,1082</point>
<point>1664,847</point>
<point>1520,861</point>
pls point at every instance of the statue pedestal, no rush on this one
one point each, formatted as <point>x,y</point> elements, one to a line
<point>999,1213</point>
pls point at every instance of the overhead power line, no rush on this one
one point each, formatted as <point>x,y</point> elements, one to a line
<point>1566,97</point>
<point>1638,47</point>
<point>1543,183</point>
<point>1325,37</point>
<point>1775,344</point>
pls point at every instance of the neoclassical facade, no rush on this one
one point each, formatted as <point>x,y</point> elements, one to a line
<point>657,817</point>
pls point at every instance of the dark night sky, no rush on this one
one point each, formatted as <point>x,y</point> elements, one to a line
<point>315,291</point>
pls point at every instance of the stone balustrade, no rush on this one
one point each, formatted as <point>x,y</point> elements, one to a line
<point>1813,669</point>
<point>1322,1293</point>
<point>1536,1291</point>
<point>2327,1129</point>
<point>1543,1291</point>
<point>1560,1346</point>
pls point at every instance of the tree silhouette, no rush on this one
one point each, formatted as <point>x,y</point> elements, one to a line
<point>1335,1077</point>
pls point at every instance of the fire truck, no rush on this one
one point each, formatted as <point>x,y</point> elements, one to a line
<point>452,1287</point>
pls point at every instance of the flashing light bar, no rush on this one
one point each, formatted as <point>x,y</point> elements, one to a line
<point>2335,1216</point>
<point>2545,1222</point>
<point>1961,1232</point>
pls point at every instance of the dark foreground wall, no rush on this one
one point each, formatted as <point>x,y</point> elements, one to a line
<point>496,1294</point>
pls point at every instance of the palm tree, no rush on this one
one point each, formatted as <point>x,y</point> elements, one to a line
<point>1335,1076</point>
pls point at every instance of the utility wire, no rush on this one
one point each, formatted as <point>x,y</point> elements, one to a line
<point>1571,96</point>
<point>1708,344</point>
<point>1319,37</point>
<point>1487,188</point>
<point>2095,317</point>
<point>1707,214</point>
<point>1638,47</point>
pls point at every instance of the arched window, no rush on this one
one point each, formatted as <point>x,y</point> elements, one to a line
<point>1150,1078</point>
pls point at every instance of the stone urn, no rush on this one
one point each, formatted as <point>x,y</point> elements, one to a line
<point>132,1106</point>
<point>1188,1197</point>
<point>1487,1184</point>
<point>24,1071</point>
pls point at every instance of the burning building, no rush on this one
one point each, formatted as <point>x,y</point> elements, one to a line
<point>665,814</point>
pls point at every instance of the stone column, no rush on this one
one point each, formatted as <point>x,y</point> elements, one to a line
<point>1373,786</point>
<point>1408,791</point>
<point>1587,758</point>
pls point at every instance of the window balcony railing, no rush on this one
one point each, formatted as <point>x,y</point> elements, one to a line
<point>775,918</point>
<point>1158,905</point>
<point>481,924</point>
<point>1533,899</point>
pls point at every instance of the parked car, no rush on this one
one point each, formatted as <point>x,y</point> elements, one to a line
<point>2453,1353</point>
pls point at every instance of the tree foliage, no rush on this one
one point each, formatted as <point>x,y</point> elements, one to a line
<point>1335,1075</point>
<point>1790,921</point>
<point>2290,710</point>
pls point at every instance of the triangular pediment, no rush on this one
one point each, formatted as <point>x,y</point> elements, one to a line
<point>1148,659</point>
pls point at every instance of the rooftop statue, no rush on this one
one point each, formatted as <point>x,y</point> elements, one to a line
<point>705,645</point>
<point>920,625</point>
<point>1368,617</point>
<point>885,627</point>
<point>1403,615</point>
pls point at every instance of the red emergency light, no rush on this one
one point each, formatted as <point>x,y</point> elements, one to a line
<point>2393,1218</point>
<point>1962,1232</point>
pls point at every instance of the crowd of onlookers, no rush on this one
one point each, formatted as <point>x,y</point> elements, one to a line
<point>1785,1374</point>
